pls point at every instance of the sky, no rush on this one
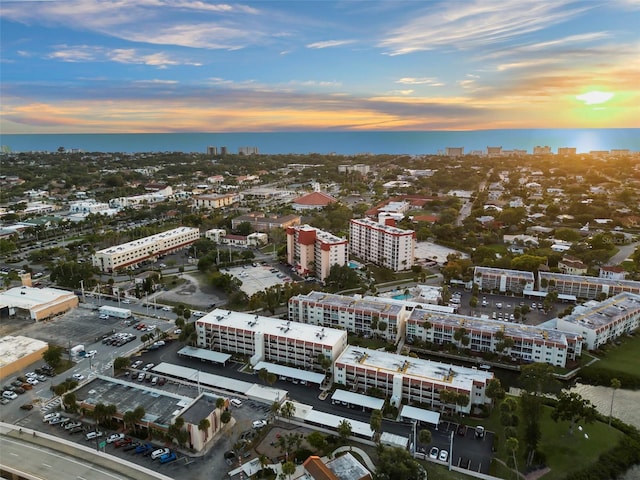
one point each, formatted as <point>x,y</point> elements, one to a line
<point>135,66</point>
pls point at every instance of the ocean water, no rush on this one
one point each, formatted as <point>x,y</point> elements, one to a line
<point>344,143</point>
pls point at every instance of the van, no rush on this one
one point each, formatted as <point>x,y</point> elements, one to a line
<point>235,402</point>
<point>154,380</point>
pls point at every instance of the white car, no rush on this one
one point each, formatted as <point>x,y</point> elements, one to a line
<point>148,366</point>
<point>433,453</point>
<point>78,376</point>
<point>104,316</point>
<point>32,381</point>
<point>115,437</point>
<point>91,353</point>
<point>30,374</point>
<point>9,395</point>
<point>259,423</point>
<point>50,416</point>
<point>92,435</point>
<point>126,301</point>
<point>444,455</point>
<point>166,309</point>
<point>159,452</point>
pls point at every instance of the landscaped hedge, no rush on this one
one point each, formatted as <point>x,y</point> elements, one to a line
<point>596,375</point>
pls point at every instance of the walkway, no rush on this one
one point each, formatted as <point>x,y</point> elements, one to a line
<point>365,457</point>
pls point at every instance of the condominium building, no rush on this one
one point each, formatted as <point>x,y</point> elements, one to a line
<point>215,201</point>
<point>269,339</point>
<point>262,223</point>
<point>312,252</point>
<point>538,150</point>
<point>409,380</point>
<point>566,150</point>
<point>502,280</point>
<point>600,322</point>
<point>147,248</point>
<point>364,316</point>
<point>383,245</point>
<point>530,344</point>
<point>585,287</point>
<point>454,151</point>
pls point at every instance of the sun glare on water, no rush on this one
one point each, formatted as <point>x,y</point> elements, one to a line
<point>594,97</point>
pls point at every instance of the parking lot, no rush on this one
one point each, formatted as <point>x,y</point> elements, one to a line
<point>256,277</point>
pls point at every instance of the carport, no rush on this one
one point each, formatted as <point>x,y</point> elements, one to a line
<point>412,413</point>
<point>329,420</point>
<point>203,378</point>
<point>205,355</point>
<point>358,399</point>
<point>289,372</point>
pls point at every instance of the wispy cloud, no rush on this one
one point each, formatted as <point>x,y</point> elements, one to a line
<point>475,24</point>
<point>330,43</point>
<point>86,53</point>
<point>429,81</point>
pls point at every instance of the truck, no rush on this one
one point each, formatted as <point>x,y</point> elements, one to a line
<point>116,312</point>
<point>78,351</point>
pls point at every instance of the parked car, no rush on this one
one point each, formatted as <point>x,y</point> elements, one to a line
<point>115,437</point>
<point>58,420</point>
<point>50,416</point>
<point>26,406</point>
<point>71,425</point>
<point>148,366</point>
<point>123,442</point>
<point>433,453</point>
<point>136,364</point>
<point>142,448</point>
<point>9,395</point>
<point>131,446</point>
<point>78,377</point>
<point>479,431</point>
<point>159,452</point>
<point>77,429</point>
<point>444,455</point>
<point>259,423</point>
<point>93,435</point>
<point>32,381</point>
<point>168,457</point>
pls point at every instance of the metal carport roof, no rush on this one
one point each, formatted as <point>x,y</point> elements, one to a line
<point>420,414</point>
<point>290,372</point>
<point>358,399</point>
<point>204,354</point>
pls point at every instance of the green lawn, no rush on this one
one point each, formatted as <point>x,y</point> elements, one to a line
<point>624,357</point>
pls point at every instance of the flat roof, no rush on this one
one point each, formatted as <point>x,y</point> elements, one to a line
<point>372,304</point>
<point>274,327</point>
<point>150,240</point>
<point>347,467</point>
<point>30,297</point>
<point>204,378</point>
<point>392,439</point>
<point>590,280</point>
<point>510,329</point>
<point>308,414</point>
<point>420,414</point>
<point>444,373</point>
<point>160,407</point>
<point>203,405</point>
<point>204,354</point>
<point>611,310</point>
<point>358,399</point>
<point>504,271</point>
<point>290,372</point>
<point>561,296</point>
<point>13,348</point>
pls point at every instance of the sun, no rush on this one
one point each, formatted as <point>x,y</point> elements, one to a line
<point>595,97</point>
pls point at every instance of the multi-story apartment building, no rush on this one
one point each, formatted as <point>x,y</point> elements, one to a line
<point>579,286</point>
<point>269,339</point>
<point>354,314</point>
<point>501,280</point>
<point>409,380</point>
<point>262,223</point>
<point>383,245</point>
<point>215,201</point>
<point>603,321</point>
<point>538,150</point>
<point>530,344</point>
<point>566,150</point>
<point>147,248</point>
<point>454,151</point>
<point>312,252</point>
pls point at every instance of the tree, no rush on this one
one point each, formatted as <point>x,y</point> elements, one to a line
<point>512,447</point>
<point>288,410</point>
<point>615,384</point>
<point>225,417</point>
<point>375,422</point>
<point>70,402</point>
<point>572,407</point>
<point>395,463</point>
<point>204,426</point>
<point>53,356</point>
<point>317,441</point>
<point>264,461</point>
<point>121,363</point>
<point>288,469</point>
<point>344,430</point>
<point>494,390</point>
<point>424,436</point>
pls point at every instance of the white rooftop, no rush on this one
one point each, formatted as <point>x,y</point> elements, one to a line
<point>29,297</point>
<point>274,326</point>
<point>446,374</point>
<point>150,240</point>
<point>13,348</point>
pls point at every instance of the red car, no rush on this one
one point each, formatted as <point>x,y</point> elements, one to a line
<point>124,442</point>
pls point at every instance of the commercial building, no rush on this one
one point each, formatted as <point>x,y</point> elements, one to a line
<point>262,223</point>
<point>208,202</point>
<point>410,380</point>
<point>37,303</point>
<point>601,322</point>
<point>364,316</point>
<point>269,339</point>
<point>589,288</point>
<point>502,280</point>
<point>383,245</point>
<point>312,252</point>
<point>18,352</point>
<point>530,344</point>
<point>148,248</point>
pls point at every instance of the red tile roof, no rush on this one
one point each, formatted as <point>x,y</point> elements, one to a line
<point>315,198</point>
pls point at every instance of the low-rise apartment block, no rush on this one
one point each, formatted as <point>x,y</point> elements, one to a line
<point>312,252</point>
<point>148,248</point>
<point>530,344</point>
<point>269,339</point>
<point>408,379</point>
<point>364,316</point>
<point>589,288</point>
<point>208,202</point>
<point>502,280</point>
<point>599,323</point>
<point>383,245</point>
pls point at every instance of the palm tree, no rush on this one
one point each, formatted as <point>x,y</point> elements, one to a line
<point>204,426</point>
<point>288,410</point>
<point>615,384</point>
<point>264,461</point>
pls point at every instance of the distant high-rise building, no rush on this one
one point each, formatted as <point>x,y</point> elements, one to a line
<point>620,151</point>
<point>566,150</point>
<point>454,151</point>
<point>223,150</point>
<point>383,245</point>
<point>248,150</point>
<point>538,150</point>
<point>211,150</point>
<point>494,151</point>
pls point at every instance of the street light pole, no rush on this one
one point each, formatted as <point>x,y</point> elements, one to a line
<point>451,450</point>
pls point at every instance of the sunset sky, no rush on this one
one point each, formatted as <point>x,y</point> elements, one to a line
<point>80,66</point>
